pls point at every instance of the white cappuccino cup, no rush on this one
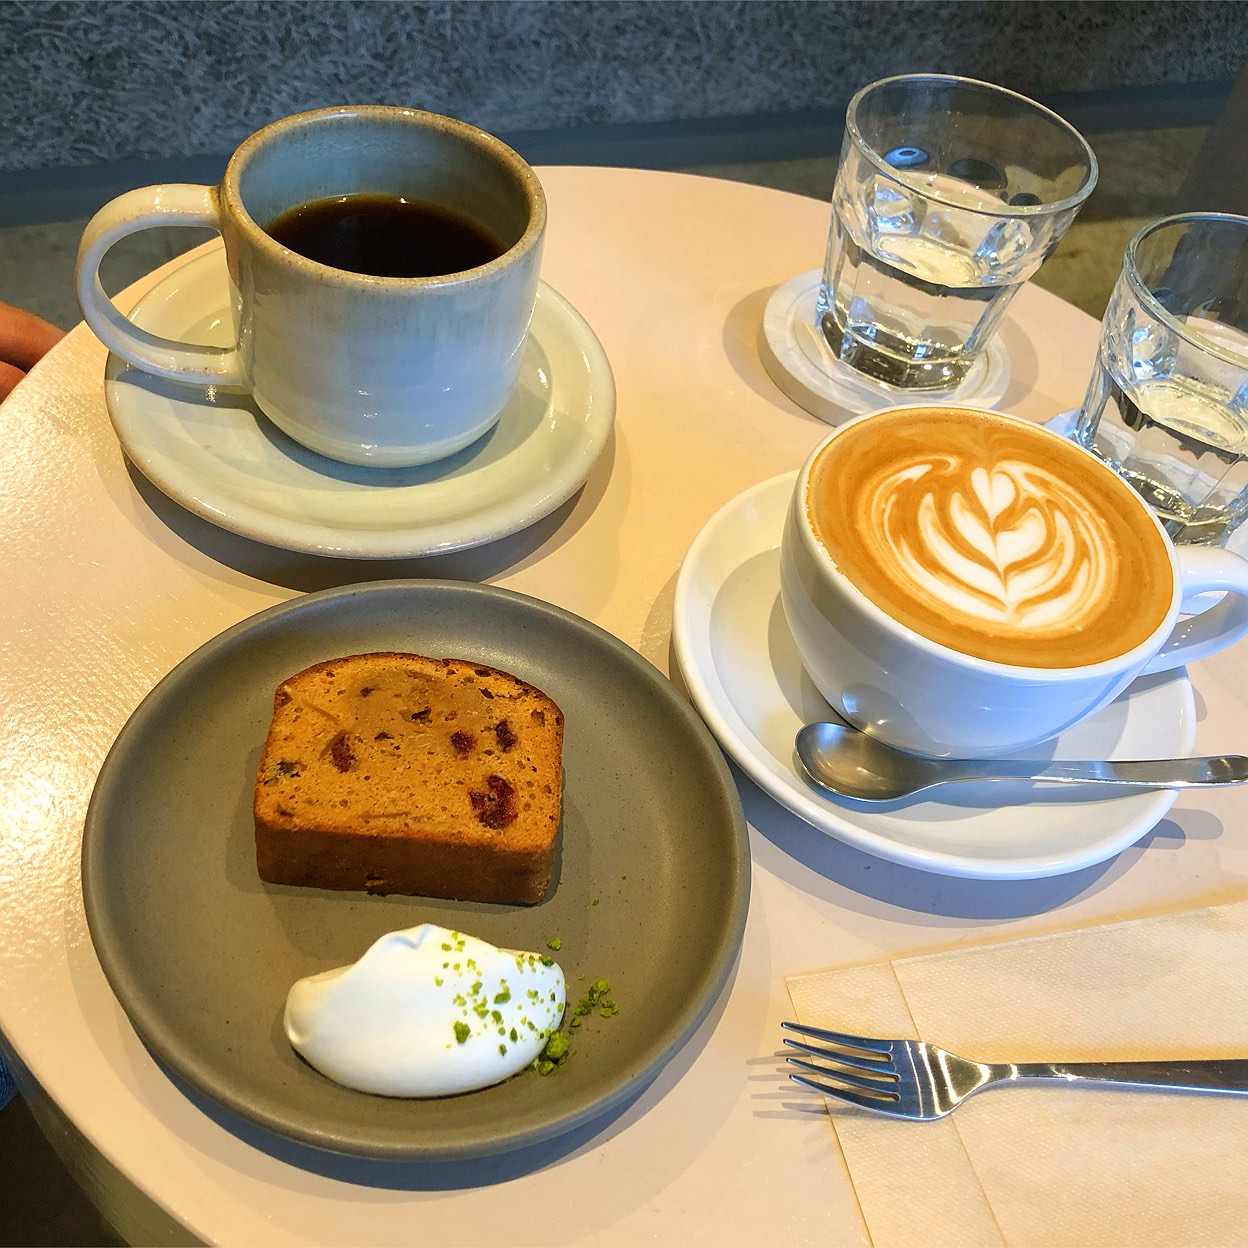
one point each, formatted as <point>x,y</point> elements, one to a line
<point>961,583</point>
<point>370,369</point>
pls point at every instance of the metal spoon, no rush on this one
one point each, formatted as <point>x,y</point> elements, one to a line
<point>851,764</point>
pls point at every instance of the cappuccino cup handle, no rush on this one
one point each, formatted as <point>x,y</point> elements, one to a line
<point>145,209</point>
<point>1204,569</point>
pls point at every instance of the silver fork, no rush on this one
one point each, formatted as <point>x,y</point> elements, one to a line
<point>914,1079</point>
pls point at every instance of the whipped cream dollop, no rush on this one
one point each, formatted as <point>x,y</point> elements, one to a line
<point>426,1012</point>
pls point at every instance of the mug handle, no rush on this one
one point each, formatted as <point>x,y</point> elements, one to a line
<point>145,209</point>
<point>1206,568</point>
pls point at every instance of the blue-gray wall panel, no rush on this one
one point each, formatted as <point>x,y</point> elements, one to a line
<point>94,83</point>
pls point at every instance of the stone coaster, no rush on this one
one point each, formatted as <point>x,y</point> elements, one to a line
<point>800,363</point>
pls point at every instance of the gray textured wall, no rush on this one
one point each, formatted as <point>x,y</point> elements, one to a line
<point>91,83</point>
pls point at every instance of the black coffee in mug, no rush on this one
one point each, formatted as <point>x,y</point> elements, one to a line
<point>385,236</point>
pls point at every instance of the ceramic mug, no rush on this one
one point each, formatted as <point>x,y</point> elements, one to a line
<point>385,371</point>
<point>1032,586</point>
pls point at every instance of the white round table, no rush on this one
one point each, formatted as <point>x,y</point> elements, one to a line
<point>108,586</point>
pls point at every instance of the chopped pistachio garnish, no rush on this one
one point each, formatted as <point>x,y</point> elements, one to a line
<point>553,1055</point>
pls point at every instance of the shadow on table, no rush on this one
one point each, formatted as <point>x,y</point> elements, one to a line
<point>742,328</point>
<point>832,867</point>
<point>306,573</point>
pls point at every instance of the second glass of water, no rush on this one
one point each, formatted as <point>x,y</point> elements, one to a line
<point>1167,405</point>
<point>949,195</point>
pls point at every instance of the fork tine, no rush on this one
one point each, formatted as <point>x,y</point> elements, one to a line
<point>866,1043</point>
<point>880,1105</point>
<point>886,1087</point>
<point>859,1061</point>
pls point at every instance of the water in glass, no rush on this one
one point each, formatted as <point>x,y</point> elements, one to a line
<point>1167,404</point>
<point>1173,422</point>
<point>916,282</point>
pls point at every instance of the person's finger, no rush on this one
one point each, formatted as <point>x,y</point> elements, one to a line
<point>9,377</point>
<point>25,337</point>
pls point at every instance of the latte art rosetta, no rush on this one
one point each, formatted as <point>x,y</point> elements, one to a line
<point>1009,545</point>
<point>990,536</point>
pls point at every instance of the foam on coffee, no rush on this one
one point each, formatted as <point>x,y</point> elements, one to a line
<point>990,536</point>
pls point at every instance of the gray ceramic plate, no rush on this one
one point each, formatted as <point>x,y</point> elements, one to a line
<point>653,872</point>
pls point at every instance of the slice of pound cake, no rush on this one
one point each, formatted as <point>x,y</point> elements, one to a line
<point>395,773</point>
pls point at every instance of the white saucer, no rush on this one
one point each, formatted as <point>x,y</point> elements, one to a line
<point>210,450</point>
<point>802,366</point>
<point>742,670</point>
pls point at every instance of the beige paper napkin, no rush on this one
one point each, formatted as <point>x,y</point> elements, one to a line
<point>1043,1164</point>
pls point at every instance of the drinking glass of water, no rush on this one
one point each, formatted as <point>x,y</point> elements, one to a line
<point>949,195</point>
<point>1167,405</point>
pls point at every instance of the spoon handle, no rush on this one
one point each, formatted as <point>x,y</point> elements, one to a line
<point>1169,773</point>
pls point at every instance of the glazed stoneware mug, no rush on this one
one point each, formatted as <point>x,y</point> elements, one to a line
<point>960,583</point>
<point>362,366</point>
